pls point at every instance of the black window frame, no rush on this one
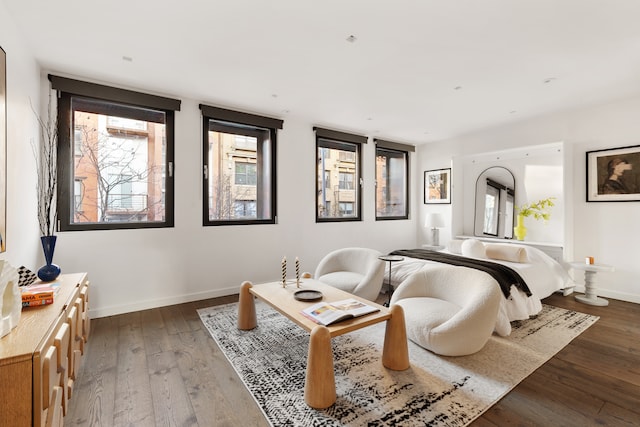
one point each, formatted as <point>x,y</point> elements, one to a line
<point>230,121</point>
<point>327,138</point>
<point>69,89</point>
<point>404,150</point>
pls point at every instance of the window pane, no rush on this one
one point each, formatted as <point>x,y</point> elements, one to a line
<point>245,173</point>
<point>491,206</point>
<point>337,173</point>
<point>120,160</point>
<point>78,193</point>
<point>239,173</point>
<point>346,181</point>
<point>391,184</point>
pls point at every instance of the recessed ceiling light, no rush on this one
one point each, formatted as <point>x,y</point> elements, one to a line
<point>351,38</point>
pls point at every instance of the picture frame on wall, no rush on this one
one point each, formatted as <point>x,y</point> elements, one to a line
<point>437,186</point>
<point>613,175</point>
<point>3,150</point>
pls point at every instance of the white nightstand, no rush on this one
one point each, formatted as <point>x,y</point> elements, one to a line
<point>433,247</point>
<point>590,297</point>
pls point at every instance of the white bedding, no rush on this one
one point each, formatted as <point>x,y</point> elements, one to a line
<point>542,274</point>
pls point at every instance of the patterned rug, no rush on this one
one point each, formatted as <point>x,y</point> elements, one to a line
<point>434,391</point>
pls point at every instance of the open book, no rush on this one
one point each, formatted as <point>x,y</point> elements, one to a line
<point>328,313</point>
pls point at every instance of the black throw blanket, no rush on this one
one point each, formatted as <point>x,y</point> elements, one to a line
<point>505,276</point>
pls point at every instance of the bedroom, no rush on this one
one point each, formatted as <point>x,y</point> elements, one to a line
<point>139,269</point>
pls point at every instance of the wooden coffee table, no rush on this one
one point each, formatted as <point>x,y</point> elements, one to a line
<point>320,388</point>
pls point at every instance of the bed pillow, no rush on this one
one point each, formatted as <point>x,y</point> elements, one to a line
<point>504,252</point>
<point>455,246</point>
<point>473,248</point>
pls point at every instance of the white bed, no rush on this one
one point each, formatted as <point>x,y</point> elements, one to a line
<point>542,274</point>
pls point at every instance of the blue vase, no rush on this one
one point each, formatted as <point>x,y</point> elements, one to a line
<point>50,271</point>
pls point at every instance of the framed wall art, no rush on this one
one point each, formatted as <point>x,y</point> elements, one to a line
<point>437,186</point>
<point>613,175</point>
<point>3,149</point>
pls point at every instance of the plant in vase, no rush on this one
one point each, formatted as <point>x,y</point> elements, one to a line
<point>46,158</point>
<point>538,210</point>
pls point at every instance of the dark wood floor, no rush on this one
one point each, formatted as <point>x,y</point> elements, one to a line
<point>160,367</point>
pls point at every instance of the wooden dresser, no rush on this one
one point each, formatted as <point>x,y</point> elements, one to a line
<point>40,358</point>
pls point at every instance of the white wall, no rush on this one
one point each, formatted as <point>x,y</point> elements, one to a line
<point>606,231</point>
<point>22,239</point>
<point>138,269</point>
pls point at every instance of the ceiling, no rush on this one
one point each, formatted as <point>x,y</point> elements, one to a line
<point>414,71</point>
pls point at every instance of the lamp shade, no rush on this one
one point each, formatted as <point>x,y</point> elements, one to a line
<point>434,220</point>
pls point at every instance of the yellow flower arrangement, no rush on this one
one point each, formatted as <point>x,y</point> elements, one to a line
<point>539,210</point>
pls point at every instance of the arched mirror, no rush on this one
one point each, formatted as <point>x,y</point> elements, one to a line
<point>495,195</point>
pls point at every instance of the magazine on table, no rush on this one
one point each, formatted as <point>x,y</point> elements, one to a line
<point>327,313</point>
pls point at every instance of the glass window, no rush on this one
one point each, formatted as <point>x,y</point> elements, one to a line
<point>245,173</point>
<point>239,168</point>
<point>78,193</point>
<point>115,168</point>
<point>338,163</point>
<point>346,208</point>
<point>346,180</point>
<point>77,140</point>
<point>491,209</point>
<point>245,208</point>
<point>392,171</point>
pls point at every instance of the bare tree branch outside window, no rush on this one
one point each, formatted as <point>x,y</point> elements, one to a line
<point>120,178</point>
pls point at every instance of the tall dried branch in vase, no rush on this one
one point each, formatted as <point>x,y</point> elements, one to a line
<point>46,154</point>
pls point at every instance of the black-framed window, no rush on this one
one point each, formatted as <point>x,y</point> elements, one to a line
<point>339,176</point>
<point>239,170</point>
<point>115,157</point>
<point>392,180</point>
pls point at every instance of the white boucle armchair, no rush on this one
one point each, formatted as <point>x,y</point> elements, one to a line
<point>449,310</point>
<point>354,270</point>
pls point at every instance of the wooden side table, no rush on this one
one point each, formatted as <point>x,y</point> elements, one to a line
<point>590,296</point>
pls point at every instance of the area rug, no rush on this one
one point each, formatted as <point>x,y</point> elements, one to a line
<point>434,391</point>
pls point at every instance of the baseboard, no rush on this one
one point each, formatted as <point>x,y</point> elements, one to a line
<point>622,296</point>
<point>180,299</point>
<point>607,293</point>
<point>160,302</point>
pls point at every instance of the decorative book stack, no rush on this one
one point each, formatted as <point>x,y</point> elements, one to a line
<point>39,294</point>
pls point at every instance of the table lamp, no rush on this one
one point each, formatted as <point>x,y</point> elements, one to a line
<point>434,221</point>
